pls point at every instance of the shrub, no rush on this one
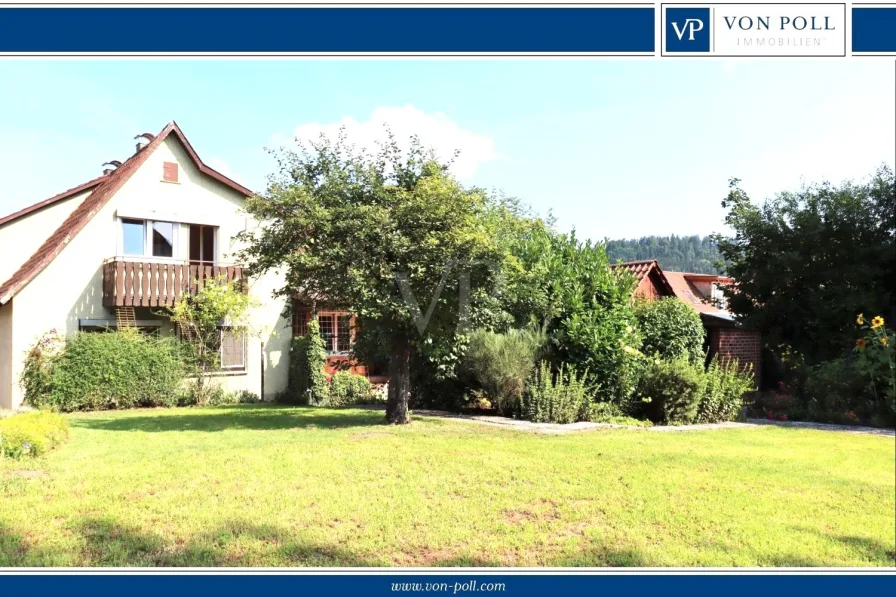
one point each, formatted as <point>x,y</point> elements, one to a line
<point>723,398</point>
<point>607,412</point>
<point>834,386</point>
<point>348,388</point>
<point>671,390</point>
<point>555,398</point>
<point>670,329</point>
<point>31,434</point>
<point>502,363</point>
<point>123,369</point>
<point>307,360</point>
<point>220,397</point>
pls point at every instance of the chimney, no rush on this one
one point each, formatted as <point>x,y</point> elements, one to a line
<point>143,140</point>
<point>114,163</point>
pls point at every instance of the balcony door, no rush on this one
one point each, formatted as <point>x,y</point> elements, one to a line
<point>203,244</point>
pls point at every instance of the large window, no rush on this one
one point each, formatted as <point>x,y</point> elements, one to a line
<point>148,238</point>
<point>233,350</point>
<point>336,330</point>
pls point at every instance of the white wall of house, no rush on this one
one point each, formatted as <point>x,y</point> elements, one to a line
<point>20,238</point>
<point>70,287</point>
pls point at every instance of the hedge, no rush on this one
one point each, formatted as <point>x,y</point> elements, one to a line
<point>90,371</point>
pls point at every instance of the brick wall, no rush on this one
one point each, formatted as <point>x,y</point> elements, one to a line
<point>737,344</point>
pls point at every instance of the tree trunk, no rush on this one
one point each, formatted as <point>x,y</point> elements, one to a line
<point>399,381</point>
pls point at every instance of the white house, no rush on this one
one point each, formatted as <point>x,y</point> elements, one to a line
<point>120,246</point>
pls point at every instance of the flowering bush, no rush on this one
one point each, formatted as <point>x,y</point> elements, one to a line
<point>31,434</point>
<point>875,352</point>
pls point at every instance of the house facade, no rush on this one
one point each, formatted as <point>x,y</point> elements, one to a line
<point>725,337</point>
<point>118,248</point>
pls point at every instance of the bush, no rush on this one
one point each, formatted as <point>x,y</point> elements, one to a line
<point>502,363</point>
<point>607,412</point>
<point>89,371</point>
<point>31,434</point>
<point>555,398</point>
<point>723,398</point>
<point>670,329</point>
<point>833,387</point>
<point>671,390</point>
<point>220,397</point>
<point>348,388</point>
<point>307,360</point>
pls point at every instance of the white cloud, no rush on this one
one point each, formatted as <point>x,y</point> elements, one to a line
<point>436,131</point>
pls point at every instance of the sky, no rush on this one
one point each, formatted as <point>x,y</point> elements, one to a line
<point>613,148</point>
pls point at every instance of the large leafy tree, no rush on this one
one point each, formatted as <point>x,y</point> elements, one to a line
<point>391,237</point>
<point>807,262</point>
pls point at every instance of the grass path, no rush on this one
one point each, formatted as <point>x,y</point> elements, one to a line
<point>273,486</point>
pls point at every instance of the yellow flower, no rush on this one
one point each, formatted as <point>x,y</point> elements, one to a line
<point>860,343</point>
<point>885,341</point>
<point>877,322</point>
<point>860,319</point>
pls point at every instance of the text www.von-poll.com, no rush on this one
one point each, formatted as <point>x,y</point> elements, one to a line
<point>470,586</point>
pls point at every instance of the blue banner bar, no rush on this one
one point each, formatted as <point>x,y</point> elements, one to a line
<point>874,29</point>
<point>460,583</point>
<point>349,30</point>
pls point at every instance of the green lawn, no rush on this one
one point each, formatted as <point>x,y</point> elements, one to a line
<point>275,486</point>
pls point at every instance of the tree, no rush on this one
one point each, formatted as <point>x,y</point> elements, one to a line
<point>393,238</point>
<point>694,254</point>
<point>202,319</point>
<point>806,263</point>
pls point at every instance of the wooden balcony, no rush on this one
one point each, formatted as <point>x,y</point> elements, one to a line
<point>129,283</point>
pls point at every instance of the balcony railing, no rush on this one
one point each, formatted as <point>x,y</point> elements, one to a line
<point>128,283</point>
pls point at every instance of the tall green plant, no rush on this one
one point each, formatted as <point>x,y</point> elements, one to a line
<point>560,397</point>
<point>723,396</point>
<point>502,363</point>
<point>307,360</point>
<point>200,318</point>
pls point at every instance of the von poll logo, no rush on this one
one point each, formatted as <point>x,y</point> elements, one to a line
<point>687,29</point>
<point>756,29</point>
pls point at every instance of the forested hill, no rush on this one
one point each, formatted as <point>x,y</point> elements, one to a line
<point>674,253</point>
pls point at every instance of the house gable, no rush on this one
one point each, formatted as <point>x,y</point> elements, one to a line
<point>103,193</point>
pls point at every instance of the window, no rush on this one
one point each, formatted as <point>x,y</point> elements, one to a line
<point>336,330</point>
<point>233,350</point>
<point>202,243</point>
<point>132,237</point>
<point>148,238</point>
<point>162,239</point>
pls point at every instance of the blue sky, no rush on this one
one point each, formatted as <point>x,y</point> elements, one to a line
<point>615,148</point>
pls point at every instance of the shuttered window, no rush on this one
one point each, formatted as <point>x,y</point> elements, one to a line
<point>233,350</point>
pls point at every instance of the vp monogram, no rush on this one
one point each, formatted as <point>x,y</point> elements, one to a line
<point>691,26</point>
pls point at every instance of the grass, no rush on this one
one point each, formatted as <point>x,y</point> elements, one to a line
<point>261,485</point>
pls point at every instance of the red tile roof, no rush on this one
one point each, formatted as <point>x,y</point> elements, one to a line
<point>642,269</point>
<point>685,290</point>
<point>105,188</point>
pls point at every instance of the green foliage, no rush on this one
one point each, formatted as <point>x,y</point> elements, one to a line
<point>607,412</point>
<point>200,317</point>
<point>671,391</point>
<point>502,363</point>
<point>347,388</point>
<point>807,262</point>
<point>671,329</point>
<point>723,397</point>
<point>31,434</point>
<point>218,396</point>
<point>876,353</point>
<point>307,361</point>
<point>835,386</point>
<point>560,397</point>
<point>124,369</point>
<point>567,286</point>
<point>694,254</point>
<point>394,238</point>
